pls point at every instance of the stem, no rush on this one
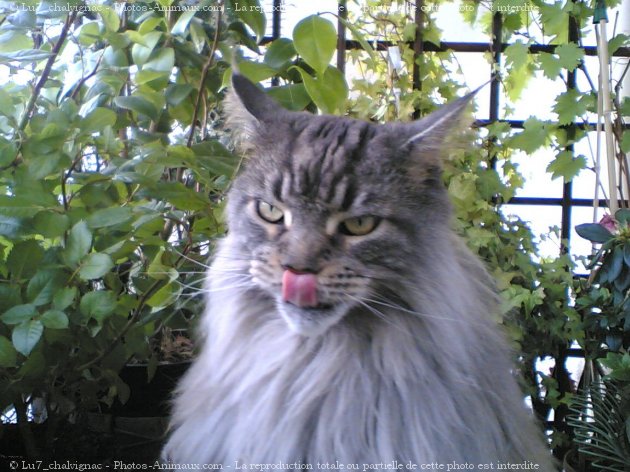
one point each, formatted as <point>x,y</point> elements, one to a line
<point>132,319</point>
<point>30,107</point>
<point>77,87</point>
<point>168,226</point>
<point>202,80</point>
<point>65,176</point>
<point>46,72</point>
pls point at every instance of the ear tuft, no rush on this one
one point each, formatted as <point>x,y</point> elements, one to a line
<point>248,111</point>
<point>431,132</point>
<point>426,140</point>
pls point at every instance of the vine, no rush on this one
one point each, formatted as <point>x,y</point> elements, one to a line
<point>113,167</point>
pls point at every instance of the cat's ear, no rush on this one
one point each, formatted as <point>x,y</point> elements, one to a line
<point>249,111</point>
<point>430,132</point>
<point>427,140</point>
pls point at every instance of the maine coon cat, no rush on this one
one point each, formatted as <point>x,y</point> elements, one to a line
<point>345,321</point>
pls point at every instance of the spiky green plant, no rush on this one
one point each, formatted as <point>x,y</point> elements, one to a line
<point>601,422</point>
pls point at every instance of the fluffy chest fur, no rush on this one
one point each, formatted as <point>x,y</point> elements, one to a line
<point>430,388</point>
<point>344,320</point>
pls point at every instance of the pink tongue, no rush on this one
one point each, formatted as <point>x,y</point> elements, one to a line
<point>299,289</point>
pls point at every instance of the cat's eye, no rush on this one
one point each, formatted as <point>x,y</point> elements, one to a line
<point>359,225</point>
<point>269,213</point>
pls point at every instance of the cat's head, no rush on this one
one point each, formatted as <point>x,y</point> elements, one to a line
<point>333,213</point>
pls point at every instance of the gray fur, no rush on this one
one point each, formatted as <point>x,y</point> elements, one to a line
<point>407,363</point>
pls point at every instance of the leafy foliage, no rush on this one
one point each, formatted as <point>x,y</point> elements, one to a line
<point>604,300</point>
<point>601,418</point>
<point>114,164</point>
<point>602,412</point>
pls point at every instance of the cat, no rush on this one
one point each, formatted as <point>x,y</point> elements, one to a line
<point>346,323</point>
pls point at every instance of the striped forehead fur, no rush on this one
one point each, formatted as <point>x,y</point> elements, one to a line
<point>323,157</point>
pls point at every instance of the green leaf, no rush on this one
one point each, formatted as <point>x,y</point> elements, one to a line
<point>43,285</point>
<point>555,19</point>
<point>25,55</point>
<point>51,224</point>
<point>110,18</point>
<point>140,52</point>
<point>64,298</point>
<point>328,92</point>
<point>122,390</point>
<point>570,105</point>
<point>623,281</point>
<point>46,164</point>
<point>517,54</point>
<point>616,264</point>
<point>550,65</point>
<point>165,295</point>
<point>614,342</point>
<point>150,24</point>
<point>26,336</point>
<point>89,33</point>
<point>115,57</point>
<point>243,32</point>
<point>625,141</point>
<point>292,97</point>
<point>163,61</point>
<point>566,166</point>
<point>594,232</point>
<point>97,119</point>
<point>24,259</point>
<point>181,196</point>
<point>279,53</point>
<point>315,39</point>
<point>535,134</point>
<point>180,28</point>
<point>156,269</point>
<point>365,45</point>
<point>8,152</point>
<point>27,202</point>
<point>19,314</point>
<point>138,105</point>
<point>622,216</point>
<point>54,319</point>
<point>626,254</point>
<point>95,266</point>
<point>10,295</point>
<point>14,40</point>
<point>11,227</point>
<point>109,217</point>
<point>97,305</point>
<point>78,244</point>
<point>254,71</point>
<point>177,93</point>
<point>7,109</point>
<point>213,157</point>
<point>8,354</point>
<point>155,79</point>
<point>618,41</point>
<point>569,55</point>
<point>252,14</point>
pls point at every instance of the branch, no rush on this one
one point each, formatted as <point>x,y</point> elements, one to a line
<point>46,72</point>
<point>202,80</point>
<point>168,226</point>
<point>30,107</point>
<point>133,319</point>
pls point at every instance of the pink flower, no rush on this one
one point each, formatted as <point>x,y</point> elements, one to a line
<point>609,223</point>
